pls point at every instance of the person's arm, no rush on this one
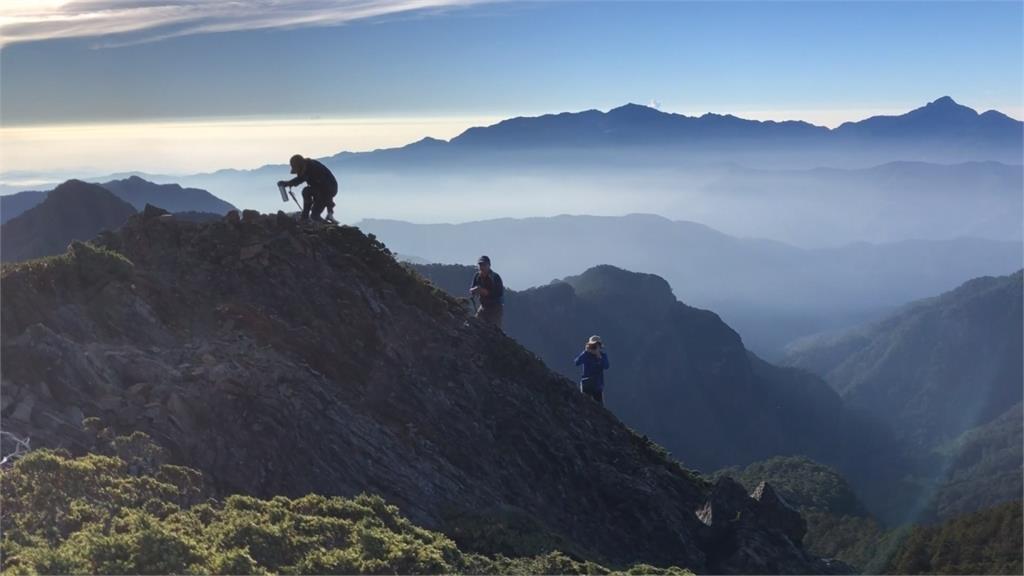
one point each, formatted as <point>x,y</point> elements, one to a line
<point>475,284</point>
<point>293,182</point>
<point>604,360</point>
<point>499,287</point>
<point>581,358</point>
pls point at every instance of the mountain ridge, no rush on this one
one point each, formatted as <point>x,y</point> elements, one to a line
<point>75,210</point>
<point>905,366</point>
<point>619,122</point>
<point>371,381</point>
<point>770,291</point>
<point>683,376</point>
<point>135,190</point>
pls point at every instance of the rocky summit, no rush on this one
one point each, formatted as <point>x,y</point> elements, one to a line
<point>284,360</point>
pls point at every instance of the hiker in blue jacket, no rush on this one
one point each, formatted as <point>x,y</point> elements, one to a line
<point>594,361</point>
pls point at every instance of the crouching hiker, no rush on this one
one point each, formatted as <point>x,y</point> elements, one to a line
<point>321,189</point>
<point>488,287</point>
<point>594,361</point>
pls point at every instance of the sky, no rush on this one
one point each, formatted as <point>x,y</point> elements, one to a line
<point>191,85</point>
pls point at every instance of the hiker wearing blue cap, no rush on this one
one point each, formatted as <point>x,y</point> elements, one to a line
<point>488,287</point>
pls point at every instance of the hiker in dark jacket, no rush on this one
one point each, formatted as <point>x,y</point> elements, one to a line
<point>321,187</point>
<point>594,361</point>
<point>488,287</point>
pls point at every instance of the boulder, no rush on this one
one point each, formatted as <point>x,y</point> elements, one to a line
<point>774,513</point>
<point>150,212</point>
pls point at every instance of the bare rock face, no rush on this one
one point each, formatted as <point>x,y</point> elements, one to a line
<point>746,533</point>
<point>150,212</point>
<point>777,513</point>
<point>280,359</point>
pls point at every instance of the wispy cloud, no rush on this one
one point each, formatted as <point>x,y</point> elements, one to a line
<point>124,22</point>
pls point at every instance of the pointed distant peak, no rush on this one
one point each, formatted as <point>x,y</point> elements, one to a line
<point>75,188</point>
<point>944,102</point>
<point>945,108</point>
<point>72,183</point>
<point>632,109</point>
<point>428,141</point>
<point>632,106</point>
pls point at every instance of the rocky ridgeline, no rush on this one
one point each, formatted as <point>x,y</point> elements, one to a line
<point>285,360</point>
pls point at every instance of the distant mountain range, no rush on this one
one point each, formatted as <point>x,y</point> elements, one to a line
<point>942,131</point>
<point>171,197</point>
<point>134,190</point>
<point>75,210</point>
<point>40,224</point>
<point>941,121</point>
<point>937,172</point>
<point>772,293</point>
<point>13,205</point>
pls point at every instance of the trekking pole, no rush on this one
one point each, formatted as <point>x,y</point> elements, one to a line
<point>284,197</point>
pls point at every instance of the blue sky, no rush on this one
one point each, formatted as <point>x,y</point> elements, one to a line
<point>179,86</point>
<point>512,58</point>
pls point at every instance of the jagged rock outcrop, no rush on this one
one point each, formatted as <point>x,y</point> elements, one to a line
<point>743,532</point>
<point>285,360</point>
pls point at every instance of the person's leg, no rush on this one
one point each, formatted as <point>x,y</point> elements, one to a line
<point>589,390</point>
<point>492,314</point>
<point>330,211</point>
<point>599,396</point>
<point>307,202</point>
<point>319,203</point>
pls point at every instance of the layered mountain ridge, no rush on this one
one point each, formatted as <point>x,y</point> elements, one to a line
<point>74,210</point>
<point>134,190</point>
<point>937,367</point>
<point>683,376</point>
<point>283,360</point>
